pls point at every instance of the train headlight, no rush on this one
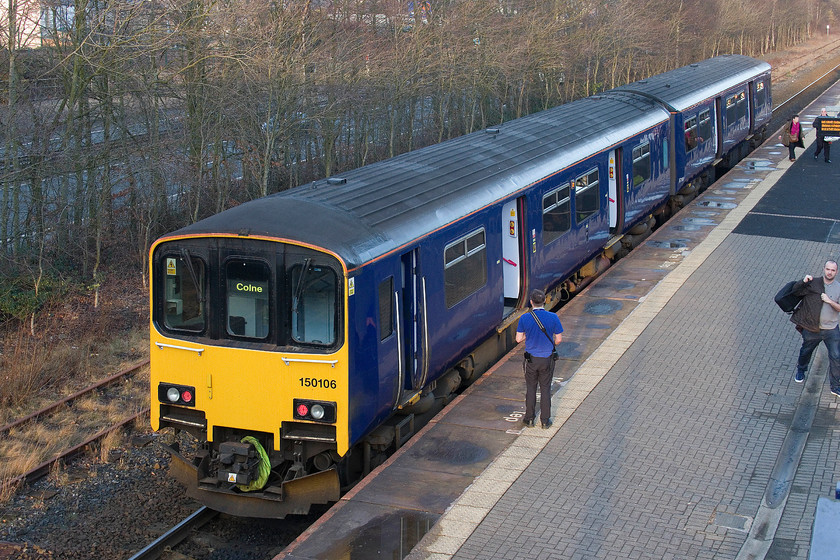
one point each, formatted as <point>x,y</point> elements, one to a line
<point>170,393</point>
<point>314,411</point>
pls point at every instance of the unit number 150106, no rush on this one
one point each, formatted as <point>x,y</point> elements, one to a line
<point>315,382</point>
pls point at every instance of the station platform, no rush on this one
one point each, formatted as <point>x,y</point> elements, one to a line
<point>678,429</point>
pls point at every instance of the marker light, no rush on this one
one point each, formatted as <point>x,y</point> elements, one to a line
<point>181,395</point>
<point>314,411</point>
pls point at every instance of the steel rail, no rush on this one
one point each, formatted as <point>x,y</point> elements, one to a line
<point>176,534</point>
<point>44,468</point>
<point>803,90</point>
<point>5,429</point>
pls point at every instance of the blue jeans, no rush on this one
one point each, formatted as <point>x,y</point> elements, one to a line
<point>810,341</point>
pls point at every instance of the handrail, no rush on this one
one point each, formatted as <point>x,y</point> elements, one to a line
<point>287,361</point>
<point>400,341</point>
<point>161,345</point>
<point>426,352</point>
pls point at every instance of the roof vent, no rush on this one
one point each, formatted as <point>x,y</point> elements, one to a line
<point>642,81</point>
<point>337,180</point>
<point>695,65</point>
<point>491,130</point>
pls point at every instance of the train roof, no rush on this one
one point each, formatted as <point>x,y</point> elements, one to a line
<point>685,87</point>
<point>370,211</point>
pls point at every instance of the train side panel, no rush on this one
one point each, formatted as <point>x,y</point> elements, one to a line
<point>647,173</point>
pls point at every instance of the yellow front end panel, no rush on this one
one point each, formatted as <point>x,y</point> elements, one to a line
<point>249,389</point>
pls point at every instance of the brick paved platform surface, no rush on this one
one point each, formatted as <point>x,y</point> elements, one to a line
<point>671,436</point>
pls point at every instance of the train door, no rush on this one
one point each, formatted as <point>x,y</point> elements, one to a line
<point>411,321</point>
<point>512,257</point>
<point>616,194</point>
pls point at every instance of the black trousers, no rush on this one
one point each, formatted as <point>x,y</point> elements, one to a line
<point>539,371</point>
<point>823,145</point>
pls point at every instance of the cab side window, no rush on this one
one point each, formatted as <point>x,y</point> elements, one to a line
<point>315,292</point>
<point>184,286</point>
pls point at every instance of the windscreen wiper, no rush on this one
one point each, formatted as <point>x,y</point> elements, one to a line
<point>300,284</point>
<point>185,254</point>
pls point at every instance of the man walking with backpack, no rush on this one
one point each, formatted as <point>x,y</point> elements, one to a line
<point>816,319</point>
<point>540,329</point>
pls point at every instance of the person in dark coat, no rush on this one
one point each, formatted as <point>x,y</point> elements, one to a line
<point>822,145</point>
<point>816,319</point>
<point>792,136</point>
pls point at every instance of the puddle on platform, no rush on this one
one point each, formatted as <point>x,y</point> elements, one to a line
<point>387,536</point>
<point>716,204</point>
<point>670,244</point>
<point>602,307</point>
<point>700,222</point>
<point>458,452</point>
<point>759,164</point>
<point>570,349</point>
<point>738,184</point>
<point>687,228</point>
<point>704,213</point>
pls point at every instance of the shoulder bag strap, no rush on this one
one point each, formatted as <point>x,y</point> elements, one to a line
<point>542,328</point>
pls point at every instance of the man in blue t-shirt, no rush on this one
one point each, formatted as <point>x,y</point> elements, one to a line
<point>539,356</point>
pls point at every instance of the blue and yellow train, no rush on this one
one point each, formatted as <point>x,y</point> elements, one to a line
<point>302,336</point>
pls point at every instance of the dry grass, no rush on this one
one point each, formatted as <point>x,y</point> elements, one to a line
<point>31,444</point>
<point>7,489</point>
<point>111,442</point>
<point>75,346</point>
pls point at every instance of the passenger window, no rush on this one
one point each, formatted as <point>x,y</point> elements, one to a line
<point>386,308</point>
<point>248,295</point>
<point>557,214</point>
<point>759,95</point>
<point>587,196</point>
<point>690,134</point>
<point>184,286</point>
<point>704,128</point>
<point>731,110</point>
<point>641,164</point>
<point>465,267</point>
<point>742,105</point>
<point>314,303</point>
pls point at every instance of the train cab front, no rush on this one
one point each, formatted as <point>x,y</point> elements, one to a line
<point>248,357</point>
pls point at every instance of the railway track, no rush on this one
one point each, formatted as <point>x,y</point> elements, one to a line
<point>783,111</point>
<point>67,421</point>
<point>176,534</point>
